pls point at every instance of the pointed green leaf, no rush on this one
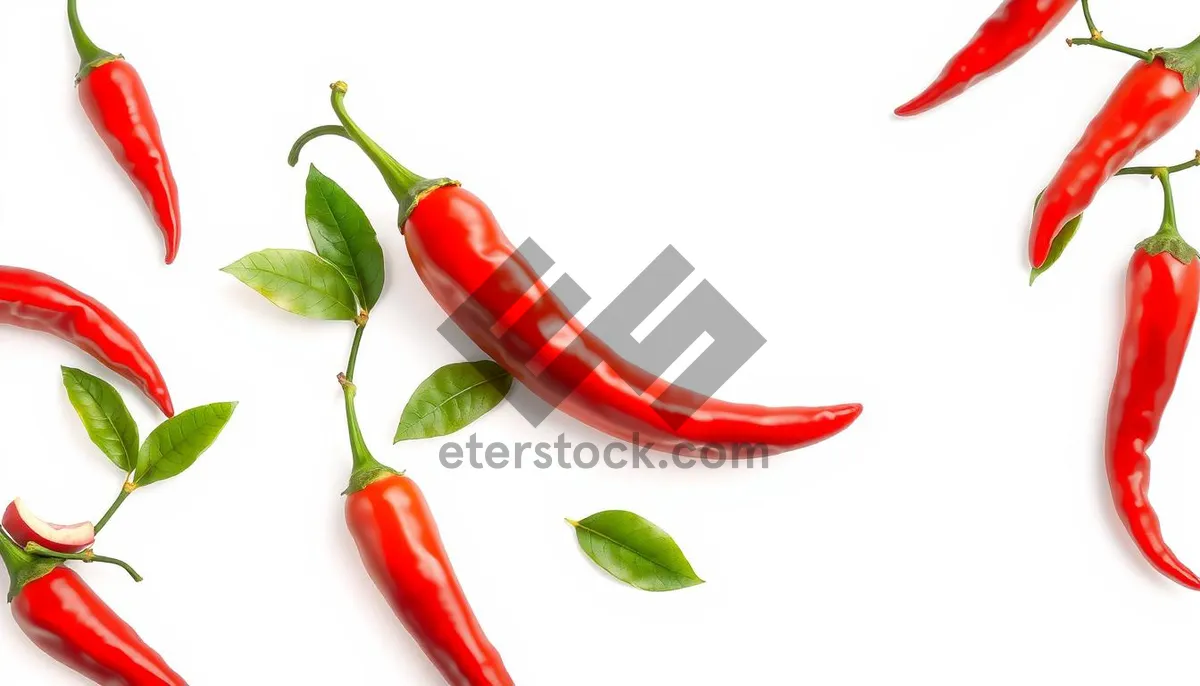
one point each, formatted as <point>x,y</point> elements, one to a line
<point>1058,246</point>
<point>297,281</point>
<point>635,551</point>
<point>178,442</point>
<point>453,397</point>
<point>343,235</point>
<point>104,415</point>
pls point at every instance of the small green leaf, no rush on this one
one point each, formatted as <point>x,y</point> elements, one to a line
<point>453,397</point>
<point>104,416</point>
<point>1058,246</point>
<point>635,551</point>
<point>343,235</point>
<point>297,281</point>
<point>178,442</point>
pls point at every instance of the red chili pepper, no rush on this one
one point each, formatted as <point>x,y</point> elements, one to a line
<point>1150,101</point>
<point>1012,31</point>
<point>462,256</point>
<point>35,301</point>
<point>401,549</point>
<point>67,620</point>
<point>1162,296</point>
<point>118,106</point>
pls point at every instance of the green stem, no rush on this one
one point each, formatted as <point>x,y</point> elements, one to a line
<point>1170,223</point>
<point>408,188</point>
<point>366,469</point>
<point>311,135</point>
<point>1168,240</point>
<point>1154,171</point>
<point>22,567</point>
<point>90,55</point>
<point>126,491</point>
<point>86,556</point>
<point>1087,16</point>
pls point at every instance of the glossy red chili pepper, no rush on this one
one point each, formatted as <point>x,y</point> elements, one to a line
<point>1150,101</point>
<point>67,620</point>
<point>463,257</point>
<point>1004,38</point>
<point>35,301</point>
<point>118,106</point>
<point>401,549</point>
<point>1162,296</point>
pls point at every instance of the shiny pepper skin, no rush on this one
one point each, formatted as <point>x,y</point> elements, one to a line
<point>67,620</point>
<point>1150,101</point>
<point>35,301</point>
<point>399,544</point>
<point>115,100</point>
<point>1161,303</point>
<point>118,106</point>
<point>1015,27</point>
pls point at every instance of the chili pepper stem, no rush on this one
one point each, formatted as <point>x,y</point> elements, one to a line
<point>22,567</point>
<point>313,134</point>
<point>1098,40</point>
<point>88,556</point>
<point>1087,16</point>
<point>366,469</point>
<point>408,188</point>
<point>1153,171</point>
<point>90,55</point>
<point>1168,239</point>
<point>126,491</point>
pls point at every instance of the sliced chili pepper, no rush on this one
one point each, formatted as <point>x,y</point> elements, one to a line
<point>462,256</point>
<point>67,620</point>
<point>1004,38</point>
<point>32,300</point>
<point>116,102</point>
<point>1162,296</point>
<point>1150,101</point>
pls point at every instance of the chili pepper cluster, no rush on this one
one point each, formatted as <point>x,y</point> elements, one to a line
<point>1163,282</point>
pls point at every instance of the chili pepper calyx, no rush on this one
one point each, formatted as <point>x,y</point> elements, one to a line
<point>23,568</point>
<point>360,480</point>
<point>91,57</point>
<point>1166,243</point>
<point>1186,61</point>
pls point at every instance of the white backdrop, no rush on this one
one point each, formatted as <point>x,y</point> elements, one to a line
<point>959,533</point>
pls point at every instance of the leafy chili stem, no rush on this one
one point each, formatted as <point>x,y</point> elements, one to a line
<point>1098,40</point>
<point>1154,171</point>
<point>126,491</point>
<point>86,556</point>
<point>364,461</point>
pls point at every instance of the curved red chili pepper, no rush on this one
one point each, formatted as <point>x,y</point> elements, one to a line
<point>69,622</point>
<point>400,546</point>
<point>462,256</point>
<point>116,102</point>
<point>1150,101</point>
<point>35,301</point>
<point>1162,297</point>
<point>1005,37</point>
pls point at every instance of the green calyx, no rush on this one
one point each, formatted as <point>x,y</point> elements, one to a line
<point>23,568</point>
<point>1186,61</point>
<point>1168,240</point>
<point>90,55</point>
<point>408,188</point>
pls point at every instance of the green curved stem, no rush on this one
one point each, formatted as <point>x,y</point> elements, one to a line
<point>311,135</point>
<point>86,556</point>
<point>366,469</point>
<point>1170,223</point>
<point>353,361</point>
<point>126,491</point>
<point>1153,171</point>
<point>90,55</point>
<point>402,182</point>
<point>1098,40</point>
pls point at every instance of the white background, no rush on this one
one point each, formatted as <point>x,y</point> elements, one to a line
<point>959,533</point>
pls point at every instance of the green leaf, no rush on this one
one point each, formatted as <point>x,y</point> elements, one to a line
<point>297,281</point>
<point>451,398</point>
<point>343,235</point>
<point>178,442</point>
<point>1058,246</point>
<point>635,551</point>
<point>104,416</point>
